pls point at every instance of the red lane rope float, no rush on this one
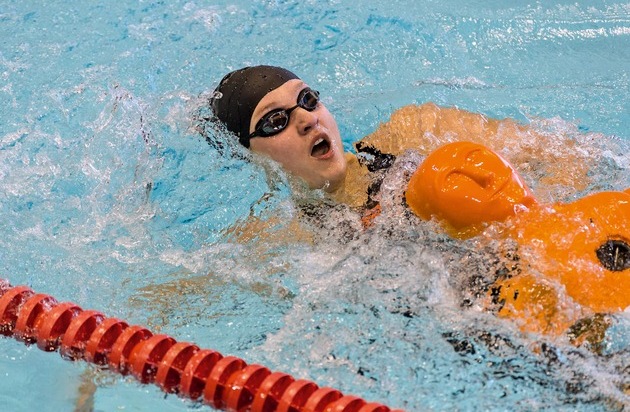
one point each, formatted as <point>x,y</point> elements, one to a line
<point>296,395</point>
<point>74,343</point>
<point>173,365</point>
<point>10,303</point>
<point>219,379</point>
<point>99,345</point>
<point>321,398</point>
<point>270,391</point>
<point>54,324</point>
<point>124,344</point>
<point>146,356</point>
<point>193,379</point>
<point>30,314</point>
<point>227,383</point>
<point>245,386</point>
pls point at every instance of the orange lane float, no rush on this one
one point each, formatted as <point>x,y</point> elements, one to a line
<point>574,257</point>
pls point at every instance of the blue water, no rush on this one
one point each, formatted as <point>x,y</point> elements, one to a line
<point>111,199</point>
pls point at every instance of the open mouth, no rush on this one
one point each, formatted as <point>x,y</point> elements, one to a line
<point>320,148</point>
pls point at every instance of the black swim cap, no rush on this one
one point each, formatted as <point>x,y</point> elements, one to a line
<point>239,92</point>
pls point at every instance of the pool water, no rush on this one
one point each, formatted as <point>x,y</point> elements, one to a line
<point>111,199</point>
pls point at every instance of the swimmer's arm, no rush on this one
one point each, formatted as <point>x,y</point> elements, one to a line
<point>426,127</point>
<point>269,231</point>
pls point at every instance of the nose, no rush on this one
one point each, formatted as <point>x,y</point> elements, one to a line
<point>305,120</point>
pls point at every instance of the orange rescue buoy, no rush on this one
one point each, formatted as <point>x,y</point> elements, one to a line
<point>574,258</point>
<point>465,185</point>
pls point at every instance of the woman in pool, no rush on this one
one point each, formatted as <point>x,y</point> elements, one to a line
<point>276,114</point>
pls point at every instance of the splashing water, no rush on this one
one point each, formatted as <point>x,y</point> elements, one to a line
<point>111,198</point>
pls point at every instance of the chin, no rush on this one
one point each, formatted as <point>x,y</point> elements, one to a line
<point>331,178</point>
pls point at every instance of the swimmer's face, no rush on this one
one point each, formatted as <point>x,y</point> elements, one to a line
<point>310,146</point>
<point>466,184</point>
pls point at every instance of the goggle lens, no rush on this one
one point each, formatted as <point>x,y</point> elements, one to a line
<point>276,121</point>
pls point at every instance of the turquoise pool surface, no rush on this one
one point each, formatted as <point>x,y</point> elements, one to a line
<point>111,199</point>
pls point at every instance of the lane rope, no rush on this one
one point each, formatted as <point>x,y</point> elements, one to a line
<point>223,382</point>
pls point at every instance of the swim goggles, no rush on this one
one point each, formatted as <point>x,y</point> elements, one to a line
<point>277,120</point>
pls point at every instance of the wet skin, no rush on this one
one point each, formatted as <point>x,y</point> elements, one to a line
<point>310,146</point>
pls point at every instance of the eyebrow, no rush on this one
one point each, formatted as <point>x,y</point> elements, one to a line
<point>273,105</point>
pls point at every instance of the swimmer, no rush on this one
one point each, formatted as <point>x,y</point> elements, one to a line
<point>275,114</point>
